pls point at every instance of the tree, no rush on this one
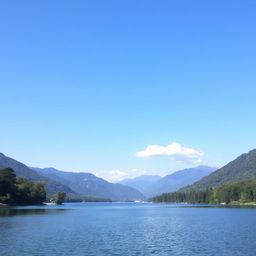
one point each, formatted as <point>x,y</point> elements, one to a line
<point>233,193</point>
<point>7,184</point>
<point>18,190</point>
<point>29,192</point>
<point>59,197</point>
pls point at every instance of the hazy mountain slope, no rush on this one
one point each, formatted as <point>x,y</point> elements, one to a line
<point>179,179</point>
<point>87,184</point>
<point>155,185</point>
<point>141,183</point>
<point>21,170</point>
<point>242,168</point>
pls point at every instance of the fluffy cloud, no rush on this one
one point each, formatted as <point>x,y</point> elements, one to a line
<point>174,151</point>
<point>118,175</point>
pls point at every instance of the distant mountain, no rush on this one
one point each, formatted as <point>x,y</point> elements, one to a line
<point>141,183</point>
<point>21,170</point>
<point>155,185</point>
<point>87,184</point>
<point>242,168</point>
<point>179,179</point>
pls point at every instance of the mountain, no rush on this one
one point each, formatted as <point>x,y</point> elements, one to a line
<point>23,171</point>
<point>179,179</point>
<point>155,185</point>
<point>242,168</point>
<point>87,184</point>
<point>141,183</point>
<point>74,184</point>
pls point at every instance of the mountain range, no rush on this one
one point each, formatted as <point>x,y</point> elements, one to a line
<point>74,184</point>
<point>143,183</point>
<point>151,185</point>
<point>87,184</point>
<point>23,171</point>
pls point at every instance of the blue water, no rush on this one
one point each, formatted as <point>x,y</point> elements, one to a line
<point>127,229</point>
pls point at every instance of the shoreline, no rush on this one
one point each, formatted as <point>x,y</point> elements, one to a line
<point>45,203</point>
<point>249,204</point>
<point>13,205</point>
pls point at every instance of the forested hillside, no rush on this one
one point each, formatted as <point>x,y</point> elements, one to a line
<point>242,168</point>
<point>23,171</point>
<point>238,192</point>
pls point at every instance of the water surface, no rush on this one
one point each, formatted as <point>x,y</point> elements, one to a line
<point>127,229</point>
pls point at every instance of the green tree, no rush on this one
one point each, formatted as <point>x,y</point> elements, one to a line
<point>59,197</point>
<point>18,190</point>
<point>7,185</point>
<point>30,192</point>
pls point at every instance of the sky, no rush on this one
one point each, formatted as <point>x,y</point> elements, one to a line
<point>125,88</point>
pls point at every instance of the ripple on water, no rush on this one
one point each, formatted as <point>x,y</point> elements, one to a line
<point>128,229</point>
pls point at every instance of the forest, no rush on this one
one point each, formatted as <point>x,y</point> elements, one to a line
<point>233,193</point>
<point>19,191</point>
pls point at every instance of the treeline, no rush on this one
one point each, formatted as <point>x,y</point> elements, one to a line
<point>19,191</point>
<point>85,199</point>
<point>238,192</point>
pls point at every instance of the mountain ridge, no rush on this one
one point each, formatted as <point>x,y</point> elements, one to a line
<point>96,187</point>
<point>171,182</point>
<point>241,168</point>
<point>141,183</point>
<point>23,171</point>
<point>87,184</point>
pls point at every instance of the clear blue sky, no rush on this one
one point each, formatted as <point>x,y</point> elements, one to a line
<point>84,85</point>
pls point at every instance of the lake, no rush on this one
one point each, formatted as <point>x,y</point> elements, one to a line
<point>127,229</point>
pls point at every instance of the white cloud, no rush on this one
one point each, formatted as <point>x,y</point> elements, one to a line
<point>174,151</point>
<point>118,175</point>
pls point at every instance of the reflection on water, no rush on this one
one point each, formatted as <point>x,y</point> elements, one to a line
<point>8,212</point>
<point>130,229</point>
<point>218,206</point>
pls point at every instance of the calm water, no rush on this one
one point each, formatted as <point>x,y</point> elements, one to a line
<point>127,229</point>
